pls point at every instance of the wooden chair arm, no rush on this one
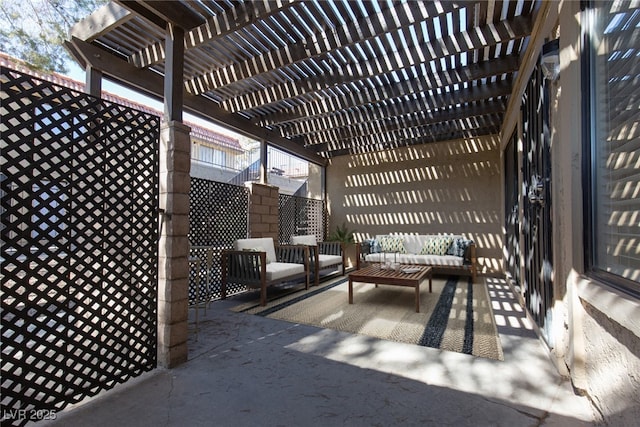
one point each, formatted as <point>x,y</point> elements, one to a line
<point>244,266</point>
<point>314,256</point>
<point>470,258</point>
<point>470,254</point>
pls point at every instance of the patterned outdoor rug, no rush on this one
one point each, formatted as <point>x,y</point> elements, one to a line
<point>457,316</point>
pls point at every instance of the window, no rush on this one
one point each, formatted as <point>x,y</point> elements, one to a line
<point>211,155</point>
<point>612,151</point>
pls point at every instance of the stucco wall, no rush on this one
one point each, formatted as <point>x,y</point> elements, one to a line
<point>612,350</point>
<point>451,187</point>
<point>596,328</point>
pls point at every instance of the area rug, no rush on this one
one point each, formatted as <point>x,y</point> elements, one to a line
<point>456,317</point>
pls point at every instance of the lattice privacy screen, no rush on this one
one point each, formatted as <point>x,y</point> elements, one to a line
<point>218,215</point>
<point>300,216</point>
<point>79,189</point>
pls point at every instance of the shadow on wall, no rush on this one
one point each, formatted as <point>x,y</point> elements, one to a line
<point>452,187</point>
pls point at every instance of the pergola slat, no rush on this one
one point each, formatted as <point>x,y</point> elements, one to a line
<point>313,46</point>
<point>330,106</point>
<point>347,118</point>
<point>322,74</point>
<point>274,94</point>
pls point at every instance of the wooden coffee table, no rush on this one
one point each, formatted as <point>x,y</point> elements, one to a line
<point>374,274</point>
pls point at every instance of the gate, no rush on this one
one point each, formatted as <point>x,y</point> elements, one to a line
<point>537,227</point>
<point>511,213</point>
<point>79,210</point>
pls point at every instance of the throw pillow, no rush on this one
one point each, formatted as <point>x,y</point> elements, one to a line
<point>453,247</point>
<point>392,244</point>
<point>463,244</point>
<point>459,246</point>
<point>436,245</point>
<point>373,246</point>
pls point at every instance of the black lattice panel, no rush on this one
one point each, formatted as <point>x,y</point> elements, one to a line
<point>218,216</point>
<point>300,216</point>
<point>79,188</point>
<point>287,218</point>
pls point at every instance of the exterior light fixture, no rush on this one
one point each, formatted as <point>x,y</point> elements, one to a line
<point>550,62</point>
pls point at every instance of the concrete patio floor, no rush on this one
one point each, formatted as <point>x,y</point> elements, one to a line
<point>246,370</point>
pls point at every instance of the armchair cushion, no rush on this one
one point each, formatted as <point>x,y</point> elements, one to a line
<point>281,270</point>
<point>262,244</point>
<point>329,260</point>
<point>309,240</point>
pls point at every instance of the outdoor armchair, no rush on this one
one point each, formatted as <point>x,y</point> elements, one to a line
<point>258,263</point>
<point>323,254</point>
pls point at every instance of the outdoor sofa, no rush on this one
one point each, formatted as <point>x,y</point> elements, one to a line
<point>447,254</point>
<point>259,263</point>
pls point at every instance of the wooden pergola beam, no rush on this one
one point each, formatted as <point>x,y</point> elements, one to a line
<point>100,22</point>
<point>214,28</point>
<point>160,13</point>
<point>152,84</point>
<point>448,135</point>
<point>416,119</point>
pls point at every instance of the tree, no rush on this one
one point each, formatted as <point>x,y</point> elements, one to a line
<point>34,30</point>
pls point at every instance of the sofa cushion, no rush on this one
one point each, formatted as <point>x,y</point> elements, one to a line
<point>263,243</point>
<point>282,270</point>
<point>413,242</point>
<point>437,245</point>
<point>435,260</point>
<point>383,257</point>
<point>392,244</point>
<point>309,240</point>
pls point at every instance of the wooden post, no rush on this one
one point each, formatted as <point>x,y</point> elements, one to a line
<point>173,251</point>
<point>263,162</point>
<point>174,70</point>
<point>93,81</point>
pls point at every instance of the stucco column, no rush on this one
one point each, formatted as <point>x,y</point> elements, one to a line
<point>173,251</point>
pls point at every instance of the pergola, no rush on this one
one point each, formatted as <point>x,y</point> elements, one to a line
<point>316,79</point>
<point>320,79</point>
